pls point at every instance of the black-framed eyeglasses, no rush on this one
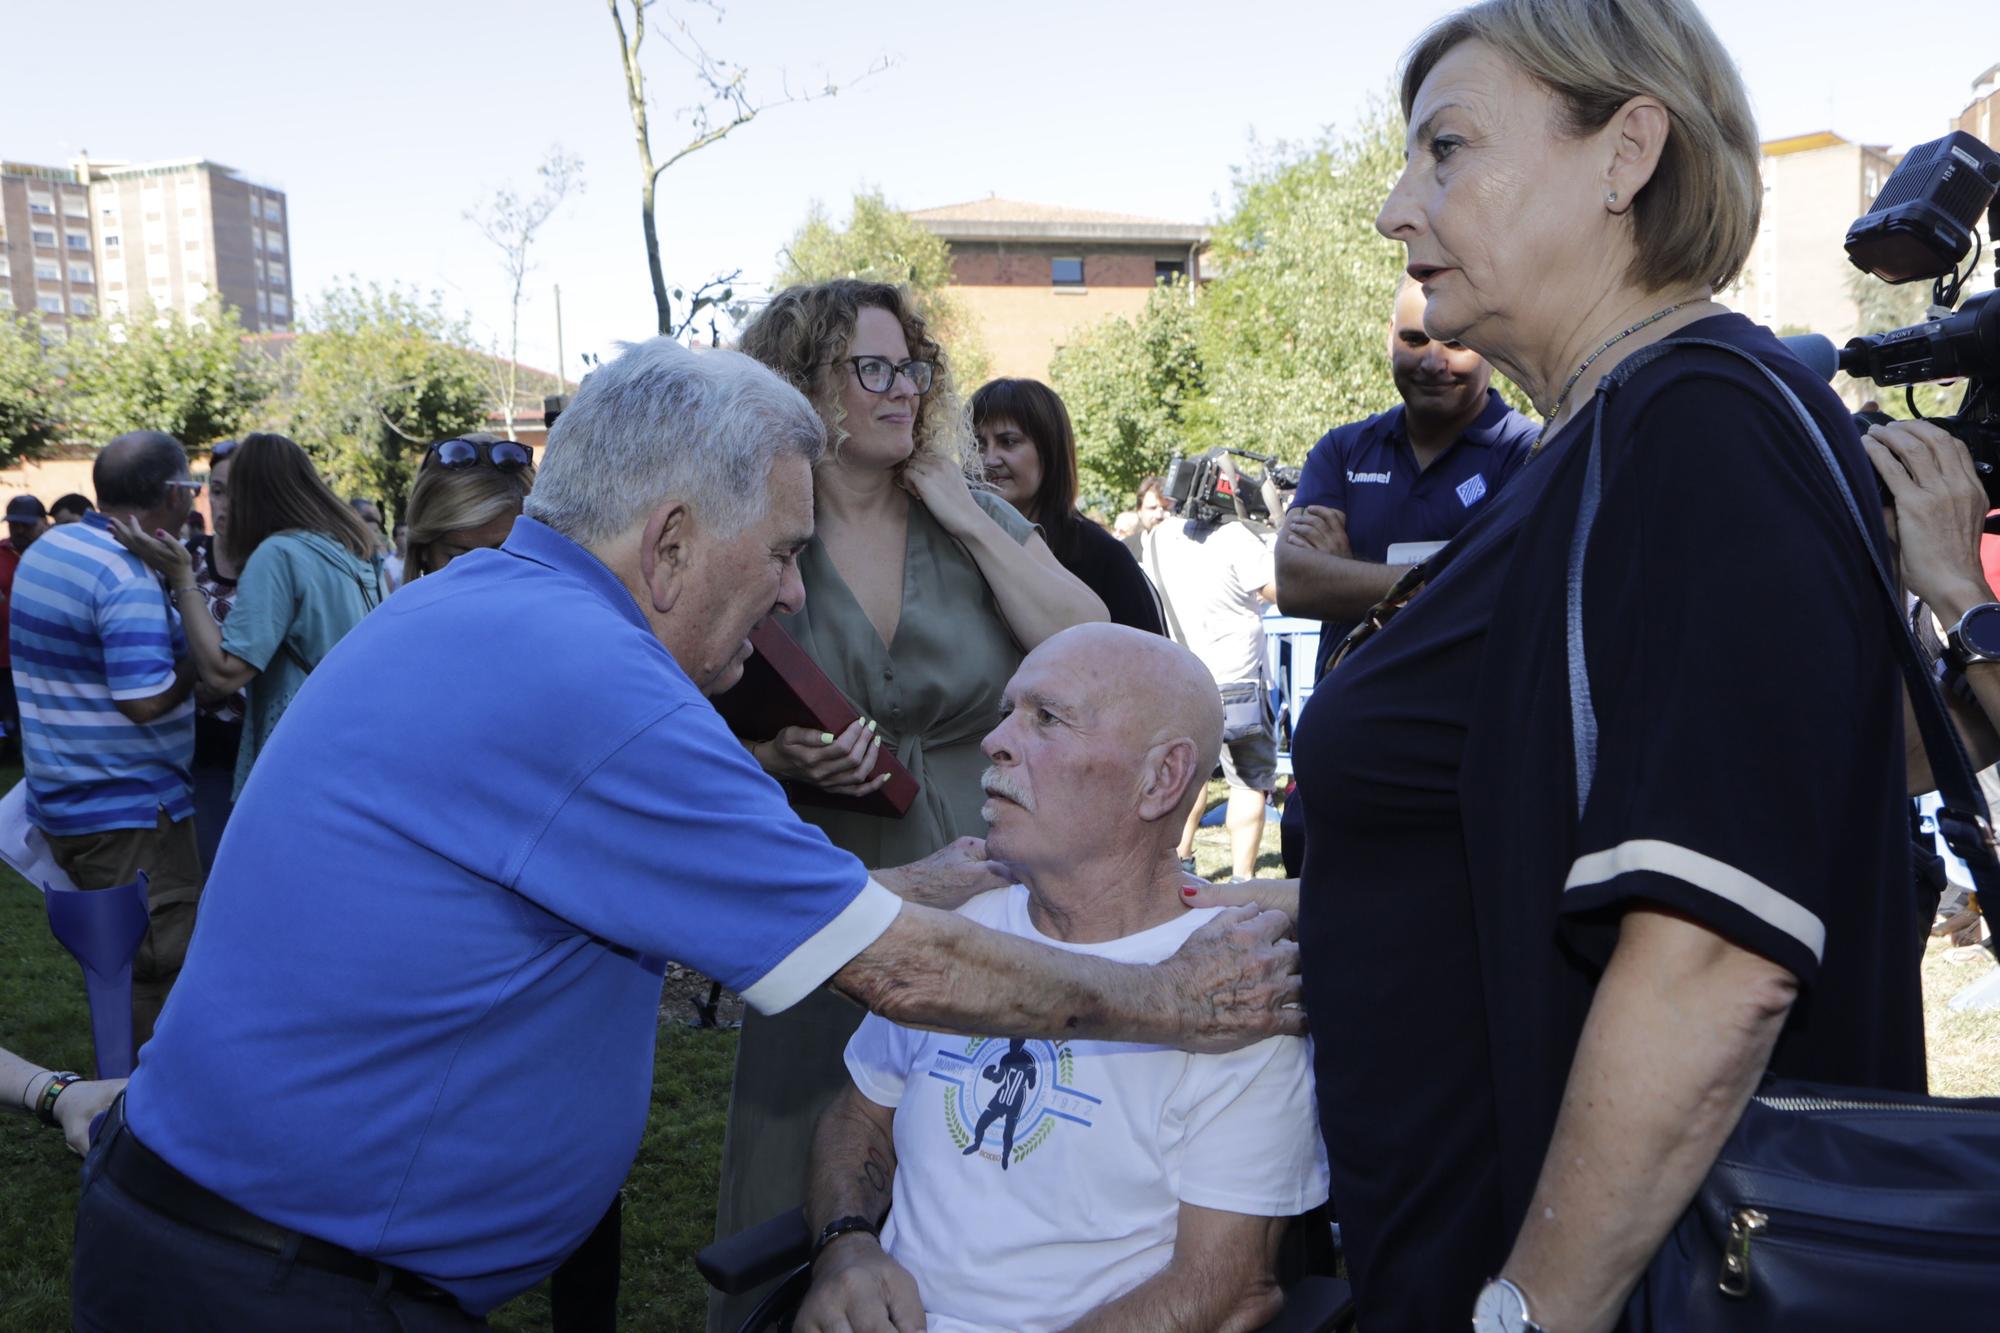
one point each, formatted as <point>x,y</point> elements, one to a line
<point>507,455</point>
<point>878,373</point>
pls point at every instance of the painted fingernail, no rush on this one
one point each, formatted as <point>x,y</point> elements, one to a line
<point>826,738</point>
<point>871,724</point>
<point>1190,891</point>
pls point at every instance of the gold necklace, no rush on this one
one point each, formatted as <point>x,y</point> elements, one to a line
<point>1577,374</point>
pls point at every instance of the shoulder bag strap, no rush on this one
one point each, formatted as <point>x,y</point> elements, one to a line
<point>1963,817</point>
<point>1160,585</point>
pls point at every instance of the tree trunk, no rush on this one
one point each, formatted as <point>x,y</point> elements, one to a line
<point>635,98</point>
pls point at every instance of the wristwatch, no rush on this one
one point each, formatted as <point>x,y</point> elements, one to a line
<point>1501,1308</point>
<point>840,1226</point>
<point>1976,636</point>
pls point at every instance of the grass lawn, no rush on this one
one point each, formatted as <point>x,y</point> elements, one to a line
<point>669,1199</point>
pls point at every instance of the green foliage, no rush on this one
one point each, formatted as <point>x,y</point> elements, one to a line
<point>1137,393</point>
<point>31,396</point>
<point>1295,323</point>
<point>1288,339</point>
<point>379,374</point>
<point>1879,308</point>
<point>880,244</point>
<point>155,370</point>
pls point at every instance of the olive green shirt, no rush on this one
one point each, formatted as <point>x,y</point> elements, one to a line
<point>934,690</point>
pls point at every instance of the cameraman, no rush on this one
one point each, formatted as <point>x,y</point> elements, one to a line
<point>1935,525</point>
<point>1214,578</point>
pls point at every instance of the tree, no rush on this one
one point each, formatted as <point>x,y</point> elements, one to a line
<point>378,374</point>
<point>511,223</point>
<point>1295,324</point>
<point>727,104</point>
<point>1137,394</point>
<point>190,377</point>
<point>31,393</point>
<point>881,244</point>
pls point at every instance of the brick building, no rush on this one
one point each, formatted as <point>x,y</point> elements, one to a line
<point>1032,274</point>
<point>48,258</point>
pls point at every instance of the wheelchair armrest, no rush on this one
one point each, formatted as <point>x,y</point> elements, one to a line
<point>748,1259</point>
<point>1314,1305</point>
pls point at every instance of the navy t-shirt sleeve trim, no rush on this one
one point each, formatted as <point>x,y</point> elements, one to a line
<point>1732,551</point>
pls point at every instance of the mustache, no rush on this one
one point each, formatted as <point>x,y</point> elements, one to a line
<point>994,782</point>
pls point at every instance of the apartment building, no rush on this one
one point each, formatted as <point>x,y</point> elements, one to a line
<point>173,234</point>
<point>1032,274</point>
<point>48,261</point>
<point>101,238</point>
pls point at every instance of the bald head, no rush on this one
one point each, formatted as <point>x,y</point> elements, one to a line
<point>1146,687</point>
<point>131,473</point>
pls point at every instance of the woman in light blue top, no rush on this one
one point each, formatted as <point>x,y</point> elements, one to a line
<point>309,575</point>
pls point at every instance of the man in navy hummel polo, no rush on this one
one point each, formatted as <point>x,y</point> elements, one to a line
<point>1415,474</point>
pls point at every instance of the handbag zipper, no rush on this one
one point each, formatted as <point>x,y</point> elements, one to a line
<point>1746,1224</point>
<point>1856,1104</point>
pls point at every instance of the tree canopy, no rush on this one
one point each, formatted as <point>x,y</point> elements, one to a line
<point>160,370</point>
<point>31,399</point>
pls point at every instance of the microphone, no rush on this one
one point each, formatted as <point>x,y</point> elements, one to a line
<point>1816,350</point>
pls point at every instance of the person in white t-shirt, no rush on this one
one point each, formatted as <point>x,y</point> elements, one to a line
<point>1082,1184</point>
<point>1216,578</point>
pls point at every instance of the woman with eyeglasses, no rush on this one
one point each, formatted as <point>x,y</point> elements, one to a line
<point>922,596</point>
<point>1029,451</point>
<point>467,494</point>
<point>308,576</point>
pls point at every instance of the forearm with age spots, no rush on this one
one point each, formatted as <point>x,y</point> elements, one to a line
<point>939,971</point>
<point>1222,1279</point>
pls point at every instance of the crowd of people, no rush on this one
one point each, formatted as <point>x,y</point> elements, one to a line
<point>395,1011</point>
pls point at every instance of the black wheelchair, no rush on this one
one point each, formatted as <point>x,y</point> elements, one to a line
<point>1316,1300</point>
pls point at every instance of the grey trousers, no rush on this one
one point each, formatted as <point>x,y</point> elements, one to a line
<point>788,1068</point>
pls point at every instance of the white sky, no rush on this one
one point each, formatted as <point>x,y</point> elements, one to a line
<point>384,121</point>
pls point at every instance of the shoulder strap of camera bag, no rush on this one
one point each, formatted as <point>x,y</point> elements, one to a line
<point>1963,817</point>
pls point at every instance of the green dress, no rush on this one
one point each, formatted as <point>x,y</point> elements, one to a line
<point>935,692</point>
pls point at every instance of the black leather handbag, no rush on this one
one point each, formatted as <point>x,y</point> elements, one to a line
<point>1829,1208</point>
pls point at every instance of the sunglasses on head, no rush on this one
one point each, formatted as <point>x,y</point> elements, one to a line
<point>222,450</point>
<point>507,455</point>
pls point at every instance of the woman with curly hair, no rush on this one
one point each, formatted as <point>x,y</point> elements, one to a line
<point>922,596</point>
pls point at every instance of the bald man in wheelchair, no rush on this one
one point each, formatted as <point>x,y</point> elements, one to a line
<point>1035,1185</point>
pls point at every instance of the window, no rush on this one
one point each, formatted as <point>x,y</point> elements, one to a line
<point>1066,272</point>
<point>82,273</point>
<point>274,243</point>
<point>43,237</point>
<point>152,217</point>
<point>48,270</point>
<point>82,305</point>
<point>76,206</point>
<point>49,303</point>
<point>111,242</point>
<point>277,275</point>
<point>157,279</point>
<point>6,299</point>
<point>194,244</point>
<point>77,240</point>
<point>6,269</point>
<point>273,212</point>
<point>263,303</point>
<point>188,211</point>
<point>257,237</point>
<point>42,206</point>
<point>1166,270</point>
<point>280,307</point>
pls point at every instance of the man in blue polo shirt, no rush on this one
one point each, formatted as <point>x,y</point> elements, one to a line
<point>107,718</point>
<point>409,1059</point>
<point>1413,475</point>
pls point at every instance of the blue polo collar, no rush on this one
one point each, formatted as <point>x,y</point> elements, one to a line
<point>537,541</point>
<point>96,519</point>
<point>1484,432</point>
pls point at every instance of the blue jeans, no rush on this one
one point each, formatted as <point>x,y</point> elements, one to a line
<point>136,1271</point>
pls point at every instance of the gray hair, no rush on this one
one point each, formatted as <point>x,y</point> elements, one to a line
<point>662,421</point>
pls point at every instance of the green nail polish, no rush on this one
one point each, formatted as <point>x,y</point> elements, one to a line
<point>826,738</point>
<point>871,724</point>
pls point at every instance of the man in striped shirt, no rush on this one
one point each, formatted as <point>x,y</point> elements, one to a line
<point>107,713</point>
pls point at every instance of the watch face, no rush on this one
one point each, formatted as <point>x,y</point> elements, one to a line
<point>1499,1310</point>
<point>1980,630</point>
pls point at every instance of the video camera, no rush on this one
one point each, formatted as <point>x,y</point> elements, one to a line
<point>1922,226</point>
<point>1204,493</point>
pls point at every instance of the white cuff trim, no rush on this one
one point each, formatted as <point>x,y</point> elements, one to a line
<point>835,944</point>
<point>1720,878</point>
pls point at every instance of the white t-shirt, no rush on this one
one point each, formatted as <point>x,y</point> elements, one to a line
<point>1214,585</point>
<point>1109,1138</point>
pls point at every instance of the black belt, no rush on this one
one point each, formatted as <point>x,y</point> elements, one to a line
<point>147,1177</point>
